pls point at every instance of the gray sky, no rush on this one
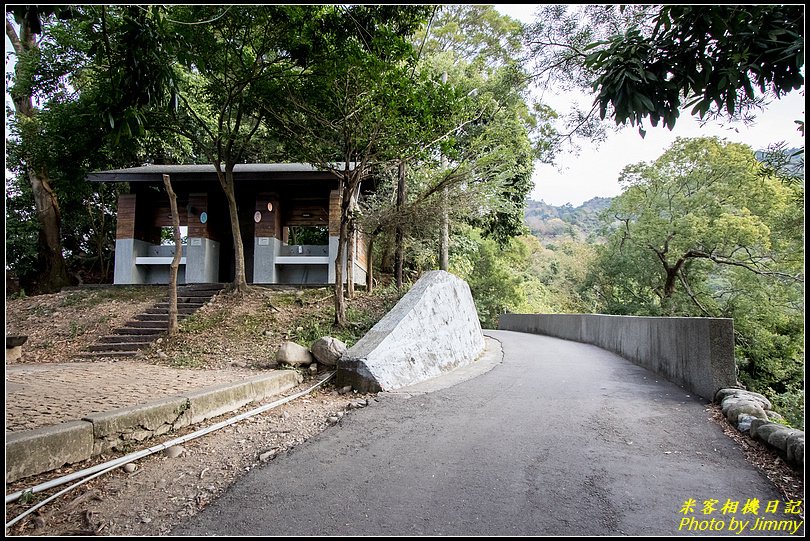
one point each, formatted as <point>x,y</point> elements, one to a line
<point>595,171</point>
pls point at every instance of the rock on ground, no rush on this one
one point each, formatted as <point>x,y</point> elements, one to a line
<point>294,355</point>
<point>328,350</point>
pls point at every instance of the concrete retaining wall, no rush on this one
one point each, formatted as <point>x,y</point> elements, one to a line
<point>31,452</point>
<point>432,329</point>
<point>697,353</point>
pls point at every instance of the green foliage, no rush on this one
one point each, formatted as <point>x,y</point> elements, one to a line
<point>363,316</point>
<point>69,73</point>
<point>499,277</point>
<point>710,58</point>
<point>201,322</point>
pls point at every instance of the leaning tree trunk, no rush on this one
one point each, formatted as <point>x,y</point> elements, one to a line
<point>351,248</point>
<point>227,183</point>
<point>178,253</point>
<point>370,266</point>
<point>340,300</point>
<point>52,272</point>
<point>444,242</point>
<point>399,234</point>
<point>444,237</point>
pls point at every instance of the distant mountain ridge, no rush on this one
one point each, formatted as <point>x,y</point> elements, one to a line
<point>552,223</point>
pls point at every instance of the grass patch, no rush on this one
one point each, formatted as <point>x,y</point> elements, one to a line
<point>74,298</point>
<point>199,322</point>
<point>76,329</point>
<point>362,313</point>
<point>252,324</point>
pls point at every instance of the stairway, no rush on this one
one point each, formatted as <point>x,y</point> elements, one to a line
<point>145,328</point>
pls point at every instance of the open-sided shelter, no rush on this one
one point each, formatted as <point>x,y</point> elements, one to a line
<point>289,217</point>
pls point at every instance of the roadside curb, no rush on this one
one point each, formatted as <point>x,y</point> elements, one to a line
<point>31,452</point>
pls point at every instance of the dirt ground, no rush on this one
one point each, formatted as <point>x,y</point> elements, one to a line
<point>230,333</point>
<point>159,491</point>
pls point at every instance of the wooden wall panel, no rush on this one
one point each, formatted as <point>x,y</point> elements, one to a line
<point>125,217</point>
<point>334,214</point>
<point>270,225</point>
<point>198,203</point>
<point>306,214</point>
<point>162,214</point>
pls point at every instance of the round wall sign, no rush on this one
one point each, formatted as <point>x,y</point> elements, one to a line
<point>270,207</point>
<point>203,217</point>
<point>257,217</point>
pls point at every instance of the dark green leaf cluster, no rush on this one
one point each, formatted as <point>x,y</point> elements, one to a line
<point>710,58</point>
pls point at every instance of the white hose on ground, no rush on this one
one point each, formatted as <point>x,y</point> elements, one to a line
<point>105,467</point>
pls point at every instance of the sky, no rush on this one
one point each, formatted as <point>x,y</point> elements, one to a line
<point>594,172</point>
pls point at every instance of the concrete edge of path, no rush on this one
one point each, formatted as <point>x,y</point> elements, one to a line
<point>31,452</point>
<point>489,359</point>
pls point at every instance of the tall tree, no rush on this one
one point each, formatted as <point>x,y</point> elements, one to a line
<point>230,61</point>
<point>83,121</point>
<point>51,267</point>
<point>339,115</point>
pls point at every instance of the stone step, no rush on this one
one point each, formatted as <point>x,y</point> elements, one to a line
<point>140,331</point>
<point>184,310</point>
<point>118,338</point>
<point>160,316</point>
<point>119,346</point>
<point>195,305</point>
<point>160,325</point>
<point>99,354</point>
<point>214,286</point>
<point>189,297</point>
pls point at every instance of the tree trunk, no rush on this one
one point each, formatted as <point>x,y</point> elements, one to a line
<point>444,235</point>
<point>52,272</point>
<point>227,182</point>
<point>370,266</point>
<point>351,248</point>
<point>399,235</point>
<point>178,253</point>
<point>669,285</point>
<point>344,191</point>
<point>444,242</point>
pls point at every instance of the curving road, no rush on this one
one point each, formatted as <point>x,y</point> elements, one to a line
<point>559,438</point>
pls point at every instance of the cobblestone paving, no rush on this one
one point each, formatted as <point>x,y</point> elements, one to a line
<point>47,394</point>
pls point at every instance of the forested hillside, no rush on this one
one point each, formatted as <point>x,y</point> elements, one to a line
<point>552,223</point>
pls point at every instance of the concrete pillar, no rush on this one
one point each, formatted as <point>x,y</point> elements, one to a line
<point>127,247</point>
<point>267,238</point>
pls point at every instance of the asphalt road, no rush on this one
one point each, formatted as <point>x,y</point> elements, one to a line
<point>560,438</point>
